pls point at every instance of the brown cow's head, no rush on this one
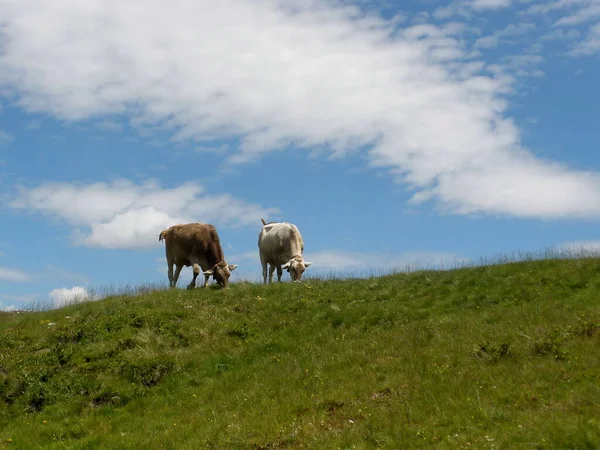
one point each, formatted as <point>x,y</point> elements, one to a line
<point>296,267</point>
<point>221,273</point>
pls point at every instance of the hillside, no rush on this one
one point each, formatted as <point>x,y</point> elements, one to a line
<point>502,356</point>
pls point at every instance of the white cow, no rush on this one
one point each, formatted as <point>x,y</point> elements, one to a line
<point>281,246</point>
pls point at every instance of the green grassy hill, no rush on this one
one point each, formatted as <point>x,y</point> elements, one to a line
<point>504,356</point>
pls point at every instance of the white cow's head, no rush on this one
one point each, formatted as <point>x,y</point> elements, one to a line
<point>296,267</point>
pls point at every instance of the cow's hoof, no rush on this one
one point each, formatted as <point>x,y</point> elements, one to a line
<point>190,287</point>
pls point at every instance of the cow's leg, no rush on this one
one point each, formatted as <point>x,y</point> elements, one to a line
<point>178,268</point>
<point>170,273</point>
<point>196,268</point>
<point>271,270</point>
<point>279,273</point>
<point>170,262</point>
<point>206,278</point>
<point>264,270</point>
<point>199,266</point>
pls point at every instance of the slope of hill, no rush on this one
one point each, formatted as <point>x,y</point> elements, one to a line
<point>501,356</point>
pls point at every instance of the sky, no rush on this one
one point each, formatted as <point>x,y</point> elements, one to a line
<point>393,134</point>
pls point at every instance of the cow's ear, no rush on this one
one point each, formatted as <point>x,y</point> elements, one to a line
<point>286,265</point>
<point>208,272</point>
<point>307,263</point>
<point>232,267</point>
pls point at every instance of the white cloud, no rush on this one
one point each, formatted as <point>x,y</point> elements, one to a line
<point>559,34</point>
<point>580,248</point>
<point>491,41</point>
<point>268,73</point>
<point>108,125</point>
<point>587,11</point>
<point>134,228</point>
<point>67,296</point>
<point>5,138</point>
<point>15,275</point>
<point>590,45</point>
<point>452,9</point>
<point>489,4</point>
<point>569,17</point>
<point>545,7</point>
<point>466,8</point>
<point>505,35</point>
<point>525,64</point>
<point>122,214</point>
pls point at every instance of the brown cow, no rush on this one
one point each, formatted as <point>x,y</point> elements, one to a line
<point>196,245</point>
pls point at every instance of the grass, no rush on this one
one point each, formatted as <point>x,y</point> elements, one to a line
<point>502,356</point>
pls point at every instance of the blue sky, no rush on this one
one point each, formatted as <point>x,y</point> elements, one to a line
<point>389,132</point>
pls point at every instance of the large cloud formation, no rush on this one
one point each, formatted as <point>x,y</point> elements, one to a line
<point>304,72</point>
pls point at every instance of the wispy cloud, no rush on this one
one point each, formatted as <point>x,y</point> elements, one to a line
<point>467,8</point>
<point>525,64</point>
<point>489,4</point>
<point>5,138</point>
<point>14,275</point>
<point>559,34</point>
<point>19,298</point>
<point>590,45</point>
<point>570,18</point>
<point>55,273</point>
<point>17,301</point>
<point>546,7</point>
<point>50,272</point>
<point>246,256</point>
<point>343,261</point>
<point>123,214</point>
<point>506,35</point>
<point>581,248</point>
<point>109,125</point>
<point>398,84</point>
<point>589,10</point>
<point>338,260</point>
<point>33,124</point>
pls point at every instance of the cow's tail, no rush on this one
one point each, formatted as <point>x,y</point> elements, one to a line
<point>162,235</point>
<point>263,221</point>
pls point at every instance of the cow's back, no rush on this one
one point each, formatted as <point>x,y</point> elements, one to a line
<point>194,240</point>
